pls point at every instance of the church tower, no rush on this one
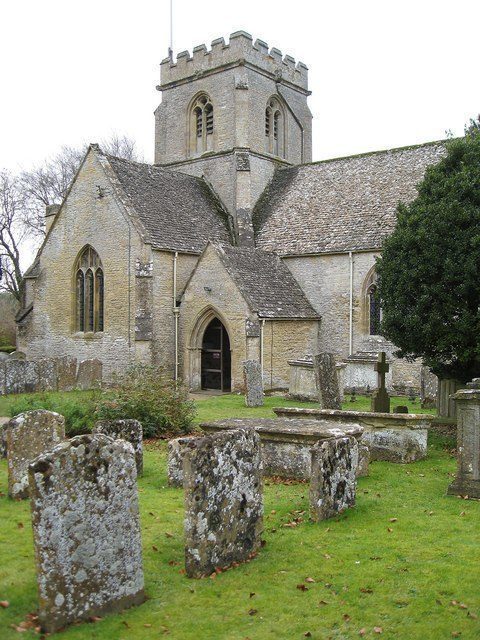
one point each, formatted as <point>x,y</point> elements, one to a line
<point>232,114</point>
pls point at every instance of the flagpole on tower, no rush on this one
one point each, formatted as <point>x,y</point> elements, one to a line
<point>170,48</point>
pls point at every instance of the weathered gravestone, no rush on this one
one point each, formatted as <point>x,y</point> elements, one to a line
<point>29,435</point>
<point>252,377</point>
<point>327,381</point>
<point>89,375</point>
<point>380,399</point>
<point>467,479</point>
<point>66,373</point>
<point>47,374</point>
<point>223,500</point>
<point>21,376</point>
<point>176,451</point>
<point>86,530</point>
<point>129,430</point>
<point>333,483</point>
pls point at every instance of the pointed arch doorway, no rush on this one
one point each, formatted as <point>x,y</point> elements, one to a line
<point>216,359</point>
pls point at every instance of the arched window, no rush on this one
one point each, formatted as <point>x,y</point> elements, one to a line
<point>89,292</point>
<point>375,309</point>
<point>201,125</point>
<point>274,128</point>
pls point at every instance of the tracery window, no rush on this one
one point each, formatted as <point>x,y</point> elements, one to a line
<point>89,291</point>
<point>202,124</point>
<point>274,128</point>
<point>375,310</point>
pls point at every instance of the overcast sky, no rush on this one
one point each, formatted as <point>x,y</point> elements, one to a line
<point>383,73</point>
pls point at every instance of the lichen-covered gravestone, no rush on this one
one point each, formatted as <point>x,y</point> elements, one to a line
<point>176,451</point>
<point>66,373</point>
<point>89,374</point>
<point>86,530</point>
<point>29,435</point>
<point>467,478</point>
<point>252,377</point>
<point>223,500</point>
<point>129,430</point>
<point>333,482</point>
<point>327,381</point>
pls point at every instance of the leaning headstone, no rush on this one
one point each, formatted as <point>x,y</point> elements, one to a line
<point>467,479</point>
<point>86,530</point>
<point>327,381</point>
<point>176,452</point>
<point>129,430</point>
<point>66,373</point>
<point>47,374</point>
<point>3,437</point>
<point>380,402</point>
<point>223,500</point>
<point>89,375</point>
<point>29,435</point>
<point>252,377</point>
<point>333,483</point>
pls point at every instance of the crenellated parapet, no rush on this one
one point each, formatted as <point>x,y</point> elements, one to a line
<point>240,49</point>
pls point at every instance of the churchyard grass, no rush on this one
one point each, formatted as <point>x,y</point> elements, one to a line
<point>405,560</point>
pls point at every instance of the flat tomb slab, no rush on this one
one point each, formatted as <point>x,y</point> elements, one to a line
<point>286,444</point>
<point>394,437</point>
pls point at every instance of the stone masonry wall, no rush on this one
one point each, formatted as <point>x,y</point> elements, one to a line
<point>326,282</point>
<point>84,219</point>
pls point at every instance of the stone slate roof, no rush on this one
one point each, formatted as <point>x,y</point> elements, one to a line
<point>266,283</point>
<point>179,212</point>
<point>347,204</point>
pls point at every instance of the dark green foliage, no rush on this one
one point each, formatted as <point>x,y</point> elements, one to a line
<point>146,393</point>
<point>429,272</point>
<point>78,408</point>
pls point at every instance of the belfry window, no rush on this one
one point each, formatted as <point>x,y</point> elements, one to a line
<point>202,125</point>
<point>274,128</point>
<point>89,292</point>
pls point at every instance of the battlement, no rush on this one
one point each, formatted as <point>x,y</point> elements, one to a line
<point>241,48</point>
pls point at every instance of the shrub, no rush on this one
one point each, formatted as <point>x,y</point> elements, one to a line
<point>77,408</point>
<point>146,393</point>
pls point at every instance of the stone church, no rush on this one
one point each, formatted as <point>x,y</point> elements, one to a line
<point>233,245</point>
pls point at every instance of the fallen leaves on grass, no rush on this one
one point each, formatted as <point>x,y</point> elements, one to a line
<point>311,580</point>
<point>366,590</point>
<point>377,630</point>
<point>252,612</point>
<point>4,604</point>
<point>20,525</point>
<point>393,519</point>
<point>302,587</point>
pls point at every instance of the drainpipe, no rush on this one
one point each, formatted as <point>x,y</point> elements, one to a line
<point>176,311</point>
<point>350,331</point>
<point>262,329</point>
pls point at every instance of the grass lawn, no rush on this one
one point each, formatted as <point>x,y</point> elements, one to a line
<point>401,576</point>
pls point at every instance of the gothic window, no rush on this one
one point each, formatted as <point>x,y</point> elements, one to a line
<point>201,125</point>
<point>375,310</point>
<point>274,128</point>
<point>89,292</point>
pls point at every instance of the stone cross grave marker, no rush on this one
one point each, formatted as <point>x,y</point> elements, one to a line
<point>380,399</point>
<point>129,430</point>
<point>252,376</point>
<point>223,500</point>
<point>86,530</point>
<point>467,479</point>
<point>29,435</point>
<point>334,477</point>
<point>327,381</point>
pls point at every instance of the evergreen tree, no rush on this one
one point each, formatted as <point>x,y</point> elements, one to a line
<point>429,272</point>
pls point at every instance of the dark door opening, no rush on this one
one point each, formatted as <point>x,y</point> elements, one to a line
<point>216,357</point>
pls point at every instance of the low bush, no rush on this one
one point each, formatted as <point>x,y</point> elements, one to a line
<point>78,408</point>
<point>146,393</point>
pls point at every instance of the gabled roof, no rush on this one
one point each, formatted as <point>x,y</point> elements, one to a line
<point>179,212</point>
<point>265,282</point>
<point>346,204</point>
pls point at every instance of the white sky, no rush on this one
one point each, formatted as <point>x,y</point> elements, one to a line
<point>383,73</point>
